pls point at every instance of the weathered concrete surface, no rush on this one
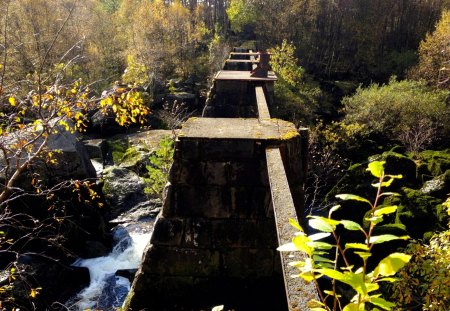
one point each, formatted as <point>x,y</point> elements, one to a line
<point>298,292</point>
<point>223,128</point>
<point>215,239</point>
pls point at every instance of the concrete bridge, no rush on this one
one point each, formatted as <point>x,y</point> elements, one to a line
<point>238,176</point>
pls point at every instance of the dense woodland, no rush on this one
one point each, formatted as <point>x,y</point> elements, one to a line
<point>371,79</point>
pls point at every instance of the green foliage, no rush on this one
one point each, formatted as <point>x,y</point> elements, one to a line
<point>296,97</point>
<point>241,13</point>
<point>285,64</point>
<point>425,282</point>
<point>158,170</point>
<point>343,269</point>
<point>136,72</point>
<point>434,55</point>
<point>392,109</point>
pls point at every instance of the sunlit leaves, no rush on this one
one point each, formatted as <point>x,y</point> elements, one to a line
<point>391,264</point>
<point>376,168</point>
<point>127,105</point>
<point>321,253</point>
<point>352,197</point>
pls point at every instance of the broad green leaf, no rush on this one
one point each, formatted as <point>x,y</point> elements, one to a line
<point>386,183</point>
<point>321,224</point>
<point>289,247</point>
<point>363,255</point>
<point>300,242</point>
<point>372,287</point>
<point>333,209</point>
<point>376,168</point>
<point>383,304</point>
<point>395,194</point>
<point>332,293</point>
<point>319,236</point>
<point>385,210</point>
<point>317,309</point>
<point>353,197</point>
<point>357,246</point>
<point>322,259</point>
<point>351,225</point>
<point>375,219</point>
<point>356,281</point>
<point>320,245</point>
<point>297,264</point>
<point>294,223</point>
<point>331,273</point>
<point>313,303</point>
<point>352,307</point>
<point>391,264</point>
<point>308,276</point>
<point>386,238</point>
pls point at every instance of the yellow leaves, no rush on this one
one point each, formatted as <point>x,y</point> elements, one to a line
<point>35,291</point>
<point>12,101</point>
<point>128,106</point>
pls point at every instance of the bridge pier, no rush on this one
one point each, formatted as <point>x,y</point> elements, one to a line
<point>233,186</point>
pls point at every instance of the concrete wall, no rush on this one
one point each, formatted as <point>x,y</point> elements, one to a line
<point>215,240</point>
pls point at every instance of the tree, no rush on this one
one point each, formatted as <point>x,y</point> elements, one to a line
<point>391,109</point>
<point>434,55</point>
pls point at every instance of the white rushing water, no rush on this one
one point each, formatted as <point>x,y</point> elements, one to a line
<point>102,269</point>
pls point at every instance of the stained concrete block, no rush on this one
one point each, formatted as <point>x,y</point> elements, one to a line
<point>176,261</point>
<point>200,201</point>
<point>197,233</point>
<point>246,262</point>
<point>168,231</point>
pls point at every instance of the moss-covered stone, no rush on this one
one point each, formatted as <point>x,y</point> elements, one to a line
<point>116,150</point>
<point>437,161</point>
<point>397,163</point>
<point>438,186</point>
<point>418,212</point>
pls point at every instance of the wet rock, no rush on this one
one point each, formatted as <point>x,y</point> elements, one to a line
<point>123,190</point>
<point>128,273</point>
<point>94,249</point>
<point>114,293</point>
<point>438,186</point>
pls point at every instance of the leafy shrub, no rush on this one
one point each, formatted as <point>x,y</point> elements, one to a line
<point>158,170</point>
<point>342,269</point>
<point>392,109</point>
<point>424,284</point>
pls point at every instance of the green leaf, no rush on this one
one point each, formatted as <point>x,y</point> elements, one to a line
<point>319,236</point>
<point>351,225</point>
<point>375,219</point>
<point>320,245</point>
<point>386,238</point>
<point>289,247</point>
<point>384,183</point>
<point>322,259</point>
<point>390,280</point>
<point>376,168</point>
<point>357,246</point>
<point>391,264</point>
<point>351,307</point>
<point>294,223</point>
<point>331,273</point>
<point>321,224</point>
<point>363,255</point>
<point>353,197</point>
<point>333,209</point>
<point>383,304</point>
<point>395,194</point>
<point>300,242</point>
<point>385,210</point>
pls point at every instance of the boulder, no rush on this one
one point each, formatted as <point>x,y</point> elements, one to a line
<point>123,190</point>
<point>438,186</point>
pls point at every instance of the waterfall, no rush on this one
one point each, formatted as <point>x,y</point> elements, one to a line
<point>107,291</point>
